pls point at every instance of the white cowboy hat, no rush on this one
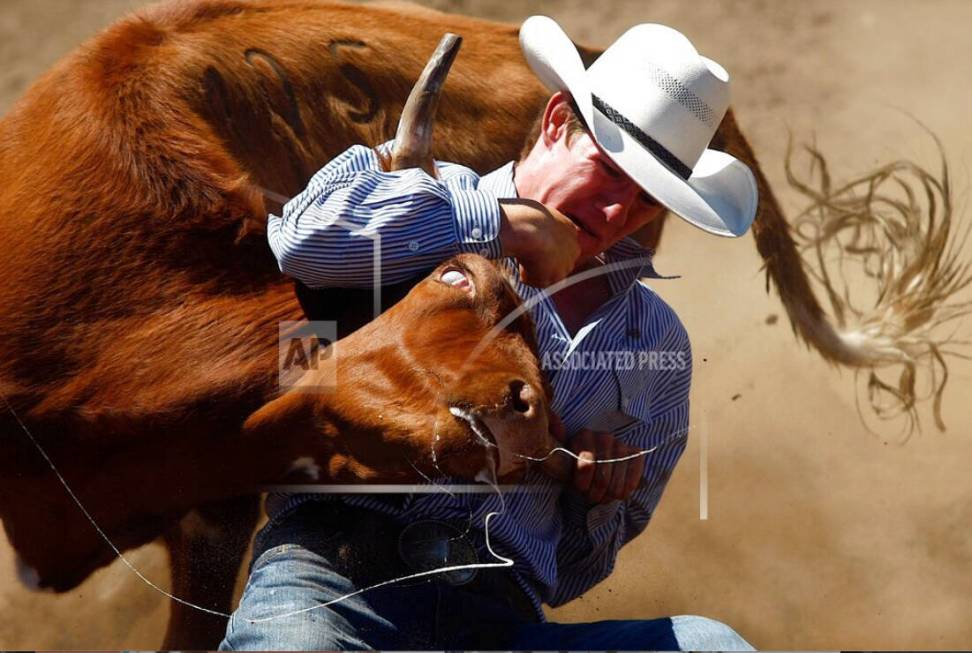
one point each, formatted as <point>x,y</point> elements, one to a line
<point>652,103</point>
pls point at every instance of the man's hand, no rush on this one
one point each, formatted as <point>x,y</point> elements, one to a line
<point>604,482</point>
<point>542,239</point>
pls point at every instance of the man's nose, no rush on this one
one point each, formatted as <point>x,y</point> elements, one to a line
<point>620,202</point>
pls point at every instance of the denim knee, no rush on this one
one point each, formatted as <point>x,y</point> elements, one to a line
<point>282,606</point>
<point>703,634</point>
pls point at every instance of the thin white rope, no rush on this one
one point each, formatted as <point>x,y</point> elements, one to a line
<point>505,562</point>
<point>94,524</point>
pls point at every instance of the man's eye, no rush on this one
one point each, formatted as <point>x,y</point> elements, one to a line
<point>610,170</point>
<point>647,199</point>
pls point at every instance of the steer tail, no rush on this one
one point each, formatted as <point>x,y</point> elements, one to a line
<point>783,263</point>
<point>413,140</point>
<point>887,233</point>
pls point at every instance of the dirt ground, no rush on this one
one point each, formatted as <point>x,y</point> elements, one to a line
<point>818,534</point>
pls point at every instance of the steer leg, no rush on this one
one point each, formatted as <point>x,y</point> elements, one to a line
<point>206,549</point>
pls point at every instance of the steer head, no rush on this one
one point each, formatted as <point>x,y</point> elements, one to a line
<point>446,382</point>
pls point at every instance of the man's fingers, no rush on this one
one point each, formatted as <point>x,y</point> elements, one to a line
<point>539,278</point>
<point>603,472</point>
<point>600,483</point>
<point>607,469</point>
<point>527,277</point>
<point>632,476</point>
<point>584,446</point>
<point>620,475</point>
<point>584,472</point>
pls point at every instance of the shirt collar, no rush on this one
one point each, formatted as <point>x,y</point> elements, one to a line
<point>629,261</point>
<point>500,182</point>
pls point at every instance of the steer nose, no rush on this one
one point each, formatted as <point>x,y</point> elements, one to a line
<point>523,398</point>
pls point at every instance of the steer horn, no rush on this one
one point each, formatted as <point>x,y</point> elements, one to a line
<point>413,140</point>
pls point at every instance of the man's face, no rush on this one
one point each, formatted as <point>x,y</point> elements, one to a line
<point>589,188</point>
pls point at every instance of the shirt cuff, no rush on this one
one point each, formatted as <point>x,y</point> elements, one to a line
<point>581,515</point>
<point>477,220</point>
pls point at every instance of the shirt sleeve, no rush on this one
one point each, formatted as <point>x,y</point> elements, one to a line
<point>593,535</point>
<point>355,221</point>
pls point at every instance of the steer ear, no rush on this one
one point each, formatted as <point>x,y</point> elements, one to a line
<point>288,423</point>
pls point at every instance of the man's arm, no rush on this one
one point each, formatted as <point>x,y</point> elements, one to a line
<point>327,235</point>
<point>595,532</point>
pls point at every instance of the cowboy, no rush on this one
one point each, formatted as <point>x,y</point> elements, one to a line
<point>616,146</point>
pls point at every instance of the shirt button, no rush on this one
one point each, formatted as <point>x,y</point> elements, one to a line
<point>624,402</point>
<point>484,252</point>
<point>634,333</point>
<point>413,245</point>
<point>477,232</point>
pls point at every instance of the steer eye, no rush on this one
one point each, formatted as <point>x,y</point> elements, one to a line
<point>457,278</point>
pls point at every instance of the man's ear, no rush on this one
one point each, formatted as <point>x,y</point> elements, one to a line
<point>554,125</point>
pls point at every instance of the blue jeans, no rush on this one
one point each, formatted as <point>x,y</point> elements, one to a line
<point>289,581</point>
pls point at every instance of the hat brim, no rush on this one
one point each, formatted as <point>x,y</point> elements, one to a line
<point>720,196</point>
<point>555,61</point>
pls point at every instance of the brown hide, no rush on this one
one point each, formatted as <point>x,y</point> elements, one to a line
<point>140,302</point>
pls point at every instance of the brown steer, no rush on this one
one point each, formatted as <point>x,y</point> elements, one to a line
<point>141,372</point>
<point>139,302</point>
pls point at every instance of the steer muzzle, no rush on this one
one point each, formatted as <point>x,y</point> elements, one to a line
<point>514,427</point>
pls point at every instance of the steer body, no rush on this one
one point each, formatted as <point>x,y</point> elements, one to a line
<point>140,305</point>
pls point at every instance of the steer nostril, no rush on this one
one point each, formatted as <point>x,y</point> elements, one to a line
<point>522,396</point>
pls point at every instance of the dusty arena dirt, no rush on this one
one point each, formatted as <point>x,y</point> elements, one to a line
<point>818,534</point>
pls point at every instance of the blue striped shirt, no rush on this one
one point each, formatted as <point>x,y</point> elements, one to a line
<point>631,360</point>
